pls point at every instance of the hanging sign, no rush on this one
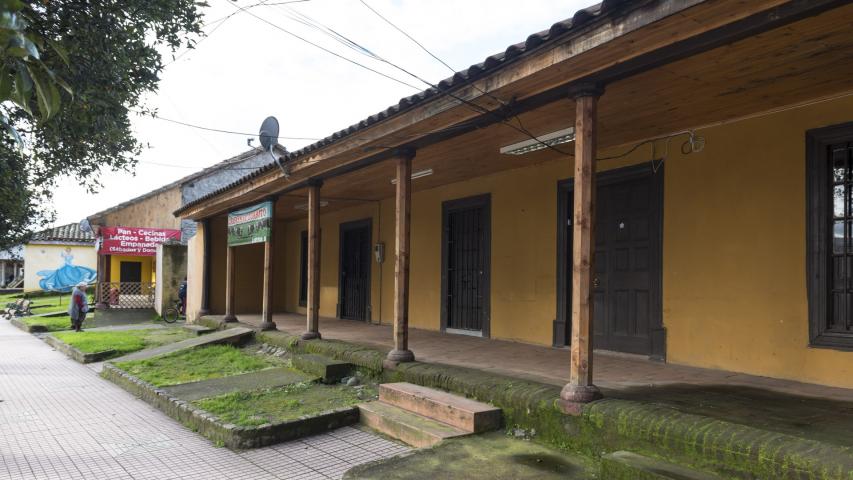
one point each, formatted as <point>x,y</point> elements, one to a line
<point>134,241</point>
<point>250,225</point>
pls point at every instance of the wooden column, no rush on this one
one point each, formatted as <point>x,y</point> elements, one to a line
<point>101,295</point>
<point>403,213</point>
<point>580,388</point>
<point>313,311</point>
<point>266,302</point>
<point>230,280</point>
<point>205,268</point>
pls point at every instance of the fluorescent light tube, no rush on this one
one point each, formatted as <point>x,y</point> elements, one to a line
<point>565,135</point>
<point>416,175</point>
<point>304,206</point>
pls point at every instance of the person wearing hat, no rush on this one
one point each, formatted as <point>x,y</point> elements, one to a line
<point>79,307</point>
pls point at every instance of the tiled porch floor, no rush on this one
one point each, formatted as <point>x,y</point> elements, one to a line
<point>617,372</point>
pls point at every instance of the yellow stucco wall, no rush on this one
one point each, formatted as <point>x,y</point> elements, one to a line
<point>734,280</point>
<point>41,257</point>
<point>148,271</point>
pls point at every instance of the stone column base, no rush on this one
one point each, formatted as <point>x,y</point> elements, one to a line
<point>265,326</point>
<point>230,318</point>
<point>401,356</point>
<point>310,336</point>
<point>574,397</point>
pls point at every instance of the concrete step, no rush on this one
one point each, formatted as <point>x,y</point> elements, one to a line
<point>331,371</point>
<point>624,465</point>
<point>463,413</point>
<point>406,426</point>
<point>198,329</point>
<point>232,336</point>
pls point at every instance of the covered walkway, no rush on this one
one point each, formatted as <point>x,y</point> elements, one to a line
<point>613,371</point>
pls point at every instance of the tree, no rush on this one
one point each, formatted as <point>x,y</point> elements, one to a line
<point>89,62</point>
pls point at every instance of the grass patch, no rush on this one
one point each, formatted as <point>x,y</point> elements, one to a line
<point>250,409</point>
<point>52,324</point>
<point>196,364</point>
<point>122,341</point>
<point>45,303</point>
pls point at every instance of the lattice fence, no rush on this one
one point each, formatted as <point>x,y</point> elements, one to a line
<point>128,294</point>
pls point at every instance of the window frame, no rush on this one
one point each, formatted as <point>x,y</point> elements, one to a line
<point>819,217</point>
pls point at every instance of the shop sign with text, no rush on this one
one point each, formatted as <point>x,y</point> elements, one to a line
<point>135,241</point>
<point>250,225</point>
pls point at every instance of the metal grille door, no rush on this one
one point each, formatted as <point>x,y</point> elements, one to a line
<point>354,295</point>
<point>466,266</point>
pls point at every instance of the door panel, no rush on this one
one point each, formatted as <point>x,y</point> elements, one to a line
<point>626,287</point>
<point>465,266</point>
<point>354,282</point>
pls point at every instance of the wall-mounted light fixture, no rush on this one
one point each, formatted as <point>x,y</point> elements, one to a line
<point>565,135</point>
<point>304,206</point>
<point>416,175</point>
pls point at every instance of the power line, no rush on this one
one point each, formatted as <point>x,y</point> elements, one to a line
<point>218,130</point>
<point>327,50</point>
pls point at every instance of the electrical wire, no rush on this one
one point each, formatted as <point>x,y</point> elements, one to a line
<point>209,129</point>
<point>278,27</point>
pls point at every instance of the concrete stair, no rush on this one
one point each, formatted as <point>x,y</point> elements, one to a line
<point>460,412</point>
<point>423,417</point>
<point>624,465</point>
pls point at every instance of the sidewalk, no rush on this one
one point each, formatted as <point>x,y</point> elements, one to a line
<point>59,420</point>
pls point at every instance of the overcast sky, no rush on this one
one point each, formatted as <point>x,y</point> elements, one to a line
<point>247,69</point>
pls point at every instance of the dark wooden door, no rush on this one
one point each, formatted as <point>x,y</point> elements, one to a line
<point>130,272</point>
<point>465,258</point>
<point>354,291</point>
<point>626,280</point>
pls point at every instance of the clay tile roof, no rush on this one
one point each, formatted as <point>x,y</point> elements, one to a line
<point>65,233</point>
<point>489,65</point>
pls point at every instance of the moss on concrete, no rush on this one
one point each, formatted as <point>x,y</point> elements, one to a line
<point>368,359</point>
<point>483,457</point>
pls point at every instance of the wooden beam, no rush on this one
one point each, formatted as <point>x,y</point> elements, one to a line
<point>205,268</point>
<point>580,388</point>
<point>402,215</point>
<point>230,280</point>
<point>266,302</point>
<point>313,311</point>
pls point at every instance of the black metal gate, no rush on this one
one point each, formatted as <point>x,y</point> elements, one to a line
<point>354,282</point>
<point>466,265</point>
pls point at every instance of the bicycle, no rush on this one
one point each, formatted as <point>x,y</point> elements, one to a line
<point>173,314</point>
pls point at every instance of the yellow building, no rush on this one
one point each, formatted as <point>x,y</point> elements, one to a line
<point>718,231</point>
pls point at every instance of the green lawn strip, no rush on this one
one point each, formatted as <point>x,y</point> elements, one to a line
<point>53,302</point>
<point>122,341</point>
<point>197,364</point>
<point>250,409</point>
<point>52,324</point>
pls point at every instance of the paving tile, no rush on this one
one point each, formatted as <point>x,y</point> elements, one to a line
<point>59,420</point>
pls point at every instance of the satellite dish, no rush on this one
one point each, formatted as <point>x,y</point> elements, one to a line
<point>85,227</point>
<point>269,133</point>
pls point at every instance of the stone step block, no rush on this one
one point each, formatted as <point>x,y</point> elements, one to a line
<point>624,465</point>
<point>198,329</point>
<point>329,370</point>
<point>463,413</point>
<point>408,427</point>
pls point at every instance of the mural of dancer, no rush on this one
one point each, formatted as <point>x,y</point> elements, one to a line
<point>64,278</point>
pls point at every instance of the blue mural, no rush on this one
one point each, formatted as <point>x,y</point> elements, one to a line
<point>64,278</point>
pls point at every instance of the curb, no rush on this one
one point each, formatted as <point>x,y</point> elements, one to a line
<point>229,435</point>
<point>76,354</point>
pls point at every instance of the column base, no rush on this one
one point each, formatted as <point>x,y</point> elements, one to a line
<point>310,336</point>
<point>574,397</point>
<point>229,318</point>
<point>265,326</point>
<point>401,356</point>
<point>203,312</point>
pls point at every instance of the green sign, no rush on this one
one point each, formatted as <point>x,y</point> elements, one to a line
<point>250,225</point>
